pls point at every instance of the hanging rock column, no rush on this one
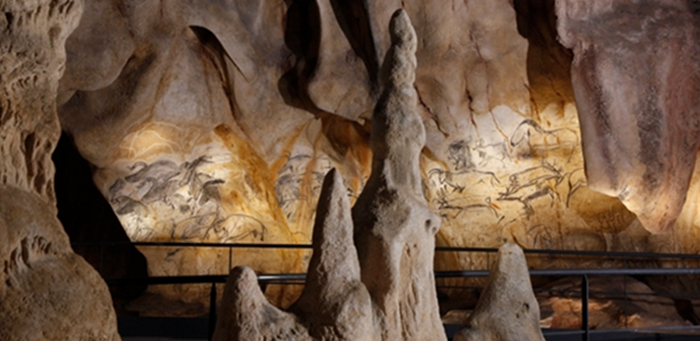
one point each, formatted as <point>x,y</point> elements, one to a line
<point>47,292</point>
<point>639,125</point>
<point>382,287</point>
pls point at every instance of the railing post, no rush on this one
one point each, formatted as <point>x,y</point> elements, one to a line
<point>624,289</point>
<point>584,308</point>
<point>229,260</point>
<point>212,310</point>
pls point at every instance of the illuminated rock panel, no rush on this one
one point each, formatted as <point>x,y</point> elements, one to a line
<point>636,91</point>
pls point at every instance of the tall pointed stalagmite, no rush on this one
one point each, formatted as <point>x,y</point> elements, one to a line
<point>382,287</point>
<point>334,295</point>
<point>507,309</point>
<point>394,228</point>
<point>334,305</point>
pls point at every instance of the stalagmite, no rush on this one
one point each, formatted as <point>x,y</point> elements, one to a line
<point>47,292</point>
<point>334,293</point>
<point>394,228</point>
<point>385,290</point>
<point>507,309</point>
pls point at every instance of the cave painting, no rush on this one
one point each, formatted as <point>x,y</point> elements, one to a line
<point>215,121</point>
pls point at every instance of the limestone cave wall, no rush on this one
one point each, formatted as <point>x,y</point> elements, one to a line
<point>47,292</point>
<point>216,121</point>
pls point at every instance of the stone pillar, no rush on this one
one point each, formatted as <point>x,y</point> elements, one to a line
<point>47,292</point>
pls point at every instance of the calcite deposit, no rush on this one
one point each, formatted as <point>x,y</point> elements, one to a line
<point>47,292</point>
<point>379,286</point>
<point>507,309</point>
<point>637,96</point>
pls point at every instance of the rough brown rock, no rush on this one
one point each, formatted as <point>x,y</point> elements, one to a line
<point>385,290</point>
<point>636,94</point>
<point>608,309</point>
<point>46,291</point>
<point>507,309</point>
<point>245,313</point>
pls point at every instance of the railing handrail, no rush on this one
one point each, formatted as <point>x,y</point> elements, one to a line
<point>618,254</point>
<point>263,278</point>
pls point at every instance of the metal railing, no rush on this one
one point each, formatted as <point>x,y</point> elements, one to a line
<point>296,278</point>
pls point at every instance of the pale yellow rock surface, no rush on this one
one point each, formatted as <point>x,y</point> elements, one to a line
<point>507,309</point>
<point>245,314</point>
<point>47,292</point>
<point>334,296</point>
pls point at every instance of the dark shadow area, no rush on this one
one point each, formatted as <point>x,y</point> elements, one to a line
<point>302,35</point>
<point>87,217</point>
<point>353,19</point>
<point>224,64</point>
<point>548,62</point>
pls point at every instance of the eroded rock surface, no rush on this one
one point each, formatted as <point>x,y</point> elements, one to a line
<point>46,291</point>
<point>394,227</point>
<point>637,96</point>
<point>607,308</point>
<point>215,121</point>
<point>507,308</point>
<point>379,286</point>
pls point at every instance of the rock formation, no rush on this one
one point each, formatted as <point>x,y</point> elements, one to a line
<point>193,138</point>
<point>394,227</point>
<point>637,97</point>
<point>379,286</point>
<point>47,292</point>
<point>215,121</point>
<point>507,308</point>
<point>640,308</point>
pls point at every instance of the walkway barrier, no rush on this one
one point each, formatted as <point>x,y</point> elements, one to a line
<point>584,291</point>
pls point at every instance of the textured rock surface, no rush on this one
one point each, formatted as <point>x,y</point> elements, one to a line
<point>637,95</point>
<point>345,312</point>
<point>507,309</point>
<point>46,291</point>
<point>216,121</point>
<point>607,308</point>
<point>334,305</point>
<point>394,227</point>
<point>379,286</point>
<point>245,313</point>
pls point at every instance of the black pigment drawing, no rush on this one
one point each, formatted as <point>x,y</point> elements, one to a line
<point>189,196</point>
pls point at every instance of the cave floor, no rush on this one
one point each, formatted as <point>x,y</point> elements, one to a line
<point>195,329</point>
